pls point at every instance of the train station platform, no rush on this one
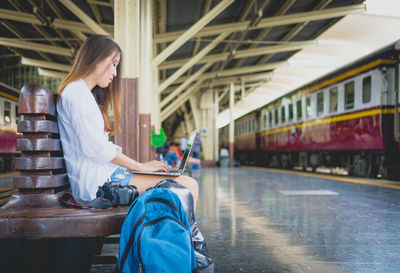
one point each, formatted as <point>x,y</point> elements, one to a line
<point>263,220</point>
<point>269,220</point>
<point>259,220</point>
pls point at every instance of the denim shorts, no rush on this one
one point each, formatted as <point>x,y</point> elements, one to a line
<point>122,175</point>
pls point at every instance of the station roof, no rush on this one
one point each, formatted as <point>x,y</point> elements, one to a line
<point>349,39</point>
<point>266,47</point>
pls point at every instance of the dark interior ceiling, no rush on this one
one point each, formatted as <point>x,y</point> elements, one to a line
<point>32,24</point>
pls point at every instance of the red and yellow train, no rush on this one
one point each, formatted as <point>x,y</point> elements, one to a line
<point>347,119</point>
<point>8,126</point>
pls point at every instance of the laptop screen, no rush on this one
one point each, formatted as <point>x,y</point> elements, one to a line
<point>187,150</point>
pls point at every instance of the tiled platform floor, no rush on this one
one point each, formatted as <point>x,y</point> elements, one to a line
<point>267,221</point>
<point>262,221</point>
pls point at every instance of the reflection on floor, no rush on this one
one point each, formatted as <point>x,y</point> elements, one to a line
<point>260,221</point>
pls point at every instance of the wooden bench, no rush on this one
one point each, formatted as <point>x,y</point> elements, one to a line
<point>38,234</point>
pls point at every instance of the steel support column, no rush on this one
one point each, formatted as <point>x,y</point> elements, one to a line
<point>216,134</point>
<point>127,35</point>
<point>231,124</point>
<point>146,79</point>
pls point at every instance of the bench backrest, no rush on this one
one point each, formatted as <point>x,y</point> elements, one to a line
<point>35,211</point>
<point>41,165</point>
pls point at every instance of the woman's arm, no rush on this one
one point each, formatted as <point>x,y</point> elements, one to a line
<point>127,162</point>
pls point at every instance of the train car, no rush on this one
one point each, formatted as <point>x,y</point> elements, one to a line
<point>246,129</point>
<point>347,119</point>
<point>8,126</point>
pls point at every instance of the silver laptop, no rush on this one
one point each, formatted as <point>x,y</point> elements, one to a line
<point>185,157</point>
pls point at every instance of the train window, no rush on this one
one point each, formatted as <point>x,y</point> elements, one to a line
<point>290,111</point>
<point>270,119</point>
<point>333,100</point>
<point>320,103</point>
<point>283,114</point>
<point>17,116</point>
<point>254,125</point>
<point>265,121</point>
<point>7,112</point>
<point>366,91</point>
<point>276,117</point>
<point>299,110</point>
<point>349,95</point>
<point>308,107</point>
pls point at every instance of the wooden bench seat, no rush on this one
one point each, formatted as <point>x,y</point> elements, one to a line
<point>36,231</point>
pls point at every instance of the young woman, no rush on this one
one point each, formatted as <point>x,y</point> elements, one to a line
<point>88,96</point>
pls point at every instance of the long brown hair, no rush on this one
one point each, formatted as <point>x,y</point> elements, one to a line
<point>94,50</point>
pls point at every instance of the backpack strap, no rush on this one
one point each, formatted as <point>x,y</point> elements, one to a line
<point>68,200</point>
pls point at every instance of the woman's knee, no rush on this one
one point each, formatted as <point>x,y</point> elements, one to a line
<point>191,184</point>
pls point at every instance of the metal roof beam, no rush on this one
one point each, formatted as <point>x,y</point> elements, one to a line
<point>84,17</point>
<point>220,97</point>
<point>247,79</point>
<point>236,71</point>
<point>29,18</point>
<point>39,63</point>
<point>96,12</point>
<point>268,22</point>
<point>177,103</point>
<point>51,73</point>
<point>206,8</point>
<point>289,46</point>
<point>296,29</point>
<point>178,90</point>
<point>101,3</point>
<point>183,97</point>
<point>79,35</point>
<point>191,62</point>
<point>263,33</point>
<point>186,35</point>
<point>36,46</point>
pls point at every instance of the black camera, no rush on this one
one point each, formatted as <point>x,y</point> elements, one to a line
<point>117,193</point>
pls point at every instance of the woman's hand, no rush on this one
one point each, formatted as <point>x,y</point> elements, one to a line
<point>154,165</point>
<point>132,165</point>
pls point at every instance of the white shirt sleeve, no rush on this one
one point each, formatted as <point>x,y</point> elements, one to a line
<point>89,127</point>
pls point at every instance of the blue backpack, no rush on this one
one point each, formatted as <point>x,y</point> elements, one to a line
<point>156,235</point>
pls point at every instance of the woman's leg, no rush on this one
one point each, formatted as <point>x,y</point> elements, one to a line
<point>143,182</point>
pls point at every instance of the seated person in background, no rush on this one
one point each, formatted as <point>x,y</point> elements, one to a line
<point>172,157</point>
<point>197,147</point>
<point>87,97</point>
<point>183,143</point>
<point>163,151</point>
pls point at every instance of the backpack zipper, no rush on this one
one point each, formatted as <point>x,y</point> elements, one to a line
<point>141,268</point>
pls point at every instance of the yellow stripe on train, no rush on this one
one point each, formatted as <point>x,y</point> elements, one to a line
<point>372,112</point>
<point>8,96</point>
<point>8,129</point>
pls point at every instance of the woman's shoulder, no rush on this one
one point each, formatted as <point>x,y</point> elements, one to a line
<point>74,88</point>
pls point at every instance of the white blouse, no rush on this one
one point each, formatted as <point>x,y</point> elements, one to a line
<point>87,150</point>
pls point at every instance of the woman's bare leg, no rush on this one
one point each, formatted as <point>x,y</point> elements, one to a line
<point>143,182</point>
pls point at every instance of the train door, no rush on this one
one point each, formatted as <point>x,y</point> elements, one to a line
<point>259,121</point>
<point>389,159</point>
